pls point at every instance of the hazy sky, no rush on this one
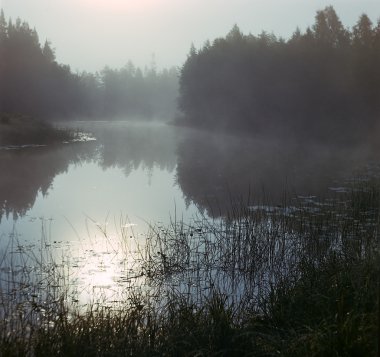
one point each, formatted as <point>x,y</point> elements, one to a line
<point>87,34</point>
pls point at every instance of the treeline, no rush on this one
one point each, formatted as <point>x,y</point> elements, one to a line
<point>33,83</point>
<point>323,82</point>
<point>136,93</point>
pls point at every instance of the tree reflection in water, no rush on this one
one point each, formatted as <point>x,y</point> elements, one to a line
<point>220,172</point>
<point>27,171</point>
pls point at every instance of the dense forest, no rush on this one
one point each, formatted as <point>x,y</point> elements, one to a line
<point>323,83</point>
<point>33,83</point>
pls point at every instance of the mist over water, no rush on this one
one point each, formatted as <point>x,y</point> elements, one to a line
<point>128,170</point>
<point>151,172</point>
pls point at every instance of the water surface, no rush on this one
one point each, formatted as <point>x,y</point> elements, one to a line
<point>92,204</point>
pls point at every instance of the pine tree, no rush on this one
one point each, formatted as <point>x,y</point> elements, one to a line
<point>3,26</point>
<point>48,52</point>
<point>329,30</point>
<point>362,32</point>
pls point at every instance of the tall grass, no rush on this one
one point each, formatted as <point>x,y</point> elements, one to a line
<point>295,280</point>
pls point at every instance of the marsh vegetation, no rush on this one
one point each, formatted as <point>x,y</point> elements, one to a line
<point>292,280</point>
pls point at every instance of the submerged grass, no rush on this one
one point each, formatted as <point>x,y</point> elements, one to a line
<point>295,280</point>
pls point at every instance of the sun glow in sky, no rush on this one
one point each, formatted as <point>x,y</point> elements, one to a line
<point>119,5</point>
<point>89,34</point>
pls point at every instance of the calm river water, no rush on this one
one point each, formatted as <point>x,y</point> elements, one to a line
<point>76,198</point>
<point>128,173</point>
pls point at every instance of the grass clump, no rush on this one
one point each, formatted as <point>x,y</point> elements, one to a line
<point>331,310</point>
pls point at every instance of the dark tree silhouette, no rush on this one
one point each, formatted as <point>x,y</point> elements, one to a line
<point>33,83</point>
<point>322,84</point>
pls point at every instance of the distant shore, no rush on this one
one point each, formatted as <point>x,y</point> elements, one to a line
<point>21,130</point>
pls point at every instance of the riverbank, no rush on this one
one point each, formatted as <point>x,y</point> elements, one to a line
<point>20,130</point>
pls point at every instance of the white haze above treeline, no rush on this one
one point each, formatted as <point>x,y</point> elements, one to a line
<point>89,34</point>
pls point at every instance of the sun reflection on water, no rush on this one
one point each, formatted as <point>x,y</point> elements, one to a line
<point>106,265</point>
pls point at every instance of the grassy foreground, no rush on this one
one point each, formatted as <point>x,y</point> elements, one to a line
<point>299,280</point>
<point>18,130</point>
